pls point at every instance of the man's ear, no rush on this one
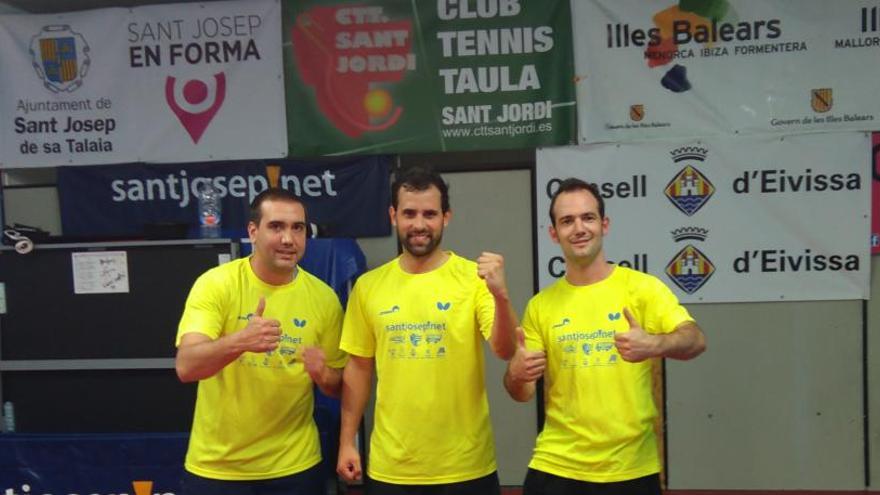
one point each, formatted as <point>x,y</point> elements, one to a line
<point>554,236</point>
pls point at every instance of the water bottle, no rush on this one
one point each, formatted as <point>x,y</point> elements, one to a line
<point>8,417</point>
<point>209,211</point>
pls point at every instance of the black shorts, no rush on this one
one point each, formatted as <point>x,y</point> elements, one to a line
<point>308,482</point>
<point>487,485</point>
<point>542,483</point>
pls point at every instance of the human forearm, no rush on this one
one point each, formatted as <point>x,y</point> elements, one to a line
<point>356,383</point>
<point>687,341</point>
<point>503,341</point>
<point>490,267</point>
<point>199,357</point>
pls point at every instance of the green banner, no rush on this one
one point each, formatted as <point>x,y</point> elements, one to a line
<point>446,75</point>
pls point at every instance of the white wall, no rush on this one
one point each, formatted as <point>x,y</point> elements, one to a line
<point>775,403</point>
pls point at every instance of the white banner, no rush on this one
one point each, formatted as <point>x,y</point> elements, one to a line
<point>646,69</point>
<point>163,83</point>
<point>727,219</point>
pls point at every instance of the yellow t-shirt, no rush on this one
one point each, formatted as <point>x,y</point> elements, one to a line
<point>600,411</point>
<point>424,330</point>
<point>253,419</point>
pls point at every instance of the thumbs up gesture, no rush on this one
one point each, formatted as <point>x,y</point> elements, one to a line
<point>260,334</point>
<point>636,345</point>
<point>526,365</point>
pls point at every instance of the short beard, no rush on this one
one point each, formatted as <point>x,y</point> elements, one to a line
<point>421,251</point>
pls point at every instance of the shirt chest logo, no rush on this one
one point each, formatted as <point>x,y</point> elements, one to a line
<point>565,321</point>
<point>392,310</point>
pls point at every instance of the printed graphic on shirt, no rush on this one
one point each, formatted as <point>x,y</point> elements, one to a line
<point>584,348</point>
<point>423,339</point>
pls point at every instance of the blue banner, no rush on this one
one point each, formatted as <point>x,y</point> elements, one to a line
<point>344,198</point>
<point>136,464</point>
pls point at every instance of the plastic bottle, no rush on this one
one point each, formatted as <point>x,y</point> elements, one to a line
<point>8,417</point>
<point>209,211</point>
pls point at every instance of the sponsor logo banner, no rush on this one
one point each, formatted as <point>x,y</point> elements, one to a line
<point>727,219</point>
<point>98,464</point>
<point>399,76</point>
<point>343,199</point>
<point>162,83</point>
<point>646,69</point>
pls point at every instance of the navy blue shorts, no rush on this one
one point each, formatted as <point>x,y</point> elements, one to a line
<point>487,485</point>
<point>308,482</point>
<point>541,483</point>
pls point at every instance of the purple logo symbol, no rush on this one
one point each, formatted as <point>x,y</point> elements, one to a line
<point>195,102</point>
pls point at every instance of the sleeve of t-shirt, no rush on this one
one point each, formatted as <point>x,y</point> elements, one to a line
<point>329,338</point>
<point>485,305</point>
<point>531,328</point>
<point>663,311</point>
<point>357,336</point>
<point>204,309</point>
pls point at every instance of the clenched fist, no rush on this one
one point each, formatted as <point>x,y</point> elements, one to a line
<point>490,267</point>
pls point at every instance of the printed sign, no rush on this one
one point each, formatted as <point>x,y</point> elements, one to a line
<point>427,76</point>
<point>161,83</point>
<point>343,199</point>
<point>651,69</point>
<point>727,219</point>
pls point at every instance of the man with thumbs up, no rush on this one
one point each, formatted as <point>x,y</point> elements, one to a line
<point>258,333</point>
<point>590,335</point>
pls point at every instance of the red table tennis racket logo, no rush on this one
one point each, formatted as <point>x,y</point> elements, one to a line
<point>195,102</point>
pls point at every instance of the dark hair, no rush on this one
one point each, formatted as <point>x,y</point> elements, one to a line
<point>419,179</point>
<point>571,184</point>
<point>272,194</point>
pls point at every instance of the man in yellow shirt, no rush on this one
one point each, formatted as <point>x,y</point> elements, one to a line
<point>419,320</point>
<point>590,335</point>
<point>257,333</point>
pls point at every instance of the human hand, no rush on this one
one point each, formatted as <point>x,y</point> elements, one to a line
<point>260,334</point>
<point>636,345</point>
<point>349,463</point>
<point>490,267</point>
<point>314,361</point>
<point>526,365</point>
